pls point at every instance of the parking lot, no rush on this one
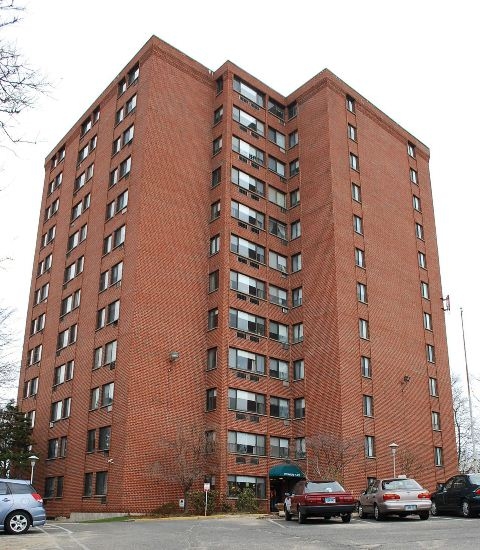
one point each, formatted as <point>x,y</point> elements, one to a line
<point>252,533</point>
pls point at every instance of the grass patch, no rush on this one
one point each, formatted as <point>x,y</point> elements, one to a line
<point>109,520</point>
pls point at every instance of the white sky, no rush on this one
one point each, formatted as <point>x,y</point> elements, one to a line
<point>415,60</point>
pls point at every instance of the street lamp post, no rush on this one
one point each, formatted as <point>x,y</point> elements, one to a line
<point>33,461</point>
<point>393,448</point>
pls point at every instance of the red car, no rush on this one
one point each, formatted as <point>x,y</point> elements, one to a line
<point>324,499</point>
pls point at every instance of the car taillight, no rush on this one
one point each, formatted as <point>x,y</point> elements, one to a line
<point>423,495</point>
<point>391,496</point>
<point>477,491</point>
<point>37,497</point>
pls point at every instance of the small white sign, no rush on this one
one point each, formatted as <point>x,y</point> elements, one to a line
<point>181,503</point>
<point>206,487</point>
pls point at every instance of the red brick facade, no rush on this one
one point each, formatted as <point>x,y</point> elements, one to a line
<point>189,215</point>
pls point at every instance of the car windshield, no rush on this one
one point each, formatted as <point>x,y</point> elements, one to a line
<point>323,487</point>
<point>474,479</point>
<point>400,485</point>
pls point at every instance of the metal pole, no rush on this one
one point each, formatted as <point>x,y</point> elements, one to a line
<point>394,463</point>
<point>31,473</point>
<point>472,425</point>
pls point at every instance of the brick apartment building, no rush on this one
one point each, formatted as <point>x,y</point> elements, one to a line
<point>215,258</point>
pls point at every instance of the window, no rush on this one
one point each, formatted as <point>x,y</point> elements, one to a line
<point>217,145</point>
<point>422,260</point>
<point>362,293</point>
<point>298,369</point>
<point>88,485</point>
<point>277,295</point>
<point>295,230</point>
<point>247,249</point>
<point>127,135</point>
<point>67,337</point>
<point>277,261</point>
<point>116,239</point>
<point>245,443</point>
<point>279,407</point>
<point>354,163</point>
<point>60,409</point>
<point>294,198</point>
<point>246,360</point>
<point>247,322</point>
<point>116,146</point>
<point>53,487</point>
<point>41,294</point>
<point>110,277</point>
<point>213,319</point>
<point>117,205</point>
<point>366,366</point>
<point>63,373</point>
<point>91,440</point>
<point>245,181</point>
<point>48,236</point>
<point>297,297</point>
<point>411,149</point>
<point>352,132</point>
<point>427,321</point>
<point>55,183</point>
<point>240,400</point>
<point>237,484</point>
<point>87,149</point>
<point>424,289</point>
<point>248,121</point>
<point>279,332</point>
<point>101,483</point>
<point>248,92</point>
<point>438,456</point>
<point>30,388</point>
<point>213,279</point>
<point>34,355</point>
<point>105,355</point>
<point>359,257</point>
<point>369,446</point>
<point>413,176</point>
<point>296,262</point>
<point>121,171</point>
<point>52,209</point>
<point>363,329</point>
<point>82,179</point>
<point>276,109</point>
<point>44,265</point>
<point>216,176</point>
<point>300,447</point>
<point>277,228</point>
<point>350,104</point>
<point>419,231</point>
<point>218,115</point>
<point>247,285</point>
<point>219,85</point>
<point>214,245</point>
<point>76,238</point>
<point>108,315</point>
<point>436,421</point>
<point>356,193</point>
<point>279,447</point>
<point>247,151</point>
<point>433,387</point>
<point>417,204</point>
<point>277,197</point>
<point>278,368</point>
<point>430,353</point>
<point>292,110</point>
<point>297,333</point>
<point>358,225</point>
<point>102,397</point>
<point>367,405</point>
<point>104,438</point>
<point>215,210</point>
<point>38,324</point>
<point>132,77</point>
<point>30,416</point>
<point>293,139</point>
<point>299,408</point>
<point>57,448</point>
<point>276,137</point>
<point>70,303</point>
<point>212,357</point>
<point>247,215</point>
<point>80,207</point>
<point>276,166</point>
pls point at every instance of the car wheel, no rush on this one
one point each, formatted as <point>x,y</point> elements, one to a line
<point>288,515</point>
<point>17,523</point>
<point>361,513</point>
<point>424,515</point>
<point>434,509</point>
<point>346,518</point>
<point>377,514</point>
<point>466,510</point>
<point>301,516</point>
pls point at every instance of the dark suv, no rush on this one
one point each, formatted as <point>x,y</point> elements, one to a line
<point>460,494</point>
<point>20,506</point>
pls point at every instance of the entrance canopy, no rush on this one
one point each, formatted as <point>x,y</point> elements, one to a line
<point>290,471</point>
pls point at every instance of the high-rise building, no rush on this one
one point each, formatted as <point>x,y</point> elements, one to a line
<point>238,279</point>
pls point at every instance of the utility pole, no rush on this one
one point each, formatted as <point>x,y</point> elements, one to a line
<point>472,425</point>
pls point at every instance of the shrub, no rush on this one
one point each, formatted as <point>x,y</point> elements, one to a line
<point>196,502</point>
<point>167,509</point>
<point>247,501</point>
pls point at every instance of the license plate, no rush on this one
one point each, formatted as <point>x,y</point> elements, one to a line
<point>330,500</point>
<point>411,507</point>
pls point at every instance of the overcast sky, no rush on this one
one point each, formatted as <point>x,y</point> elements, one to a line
<point>416,61</point>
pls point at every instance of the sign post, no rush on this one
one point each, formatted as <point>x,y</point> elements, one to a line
<point>206,488</point>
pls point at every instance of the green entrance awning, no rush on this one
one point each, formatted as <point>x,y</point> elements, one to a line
<point>286,470</point>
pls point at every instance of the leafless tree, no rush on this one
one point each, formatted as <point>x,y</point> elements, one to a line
<point>463,431</point>
<point>409,464</point>
<point>331,454</point>
<point>8,370</point>
<point>19,83</point>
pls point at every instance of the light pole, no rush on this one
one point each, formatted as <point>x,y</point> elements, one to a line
<point>393,448</point>
<point>472,430</point>
<point>33,461</point>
